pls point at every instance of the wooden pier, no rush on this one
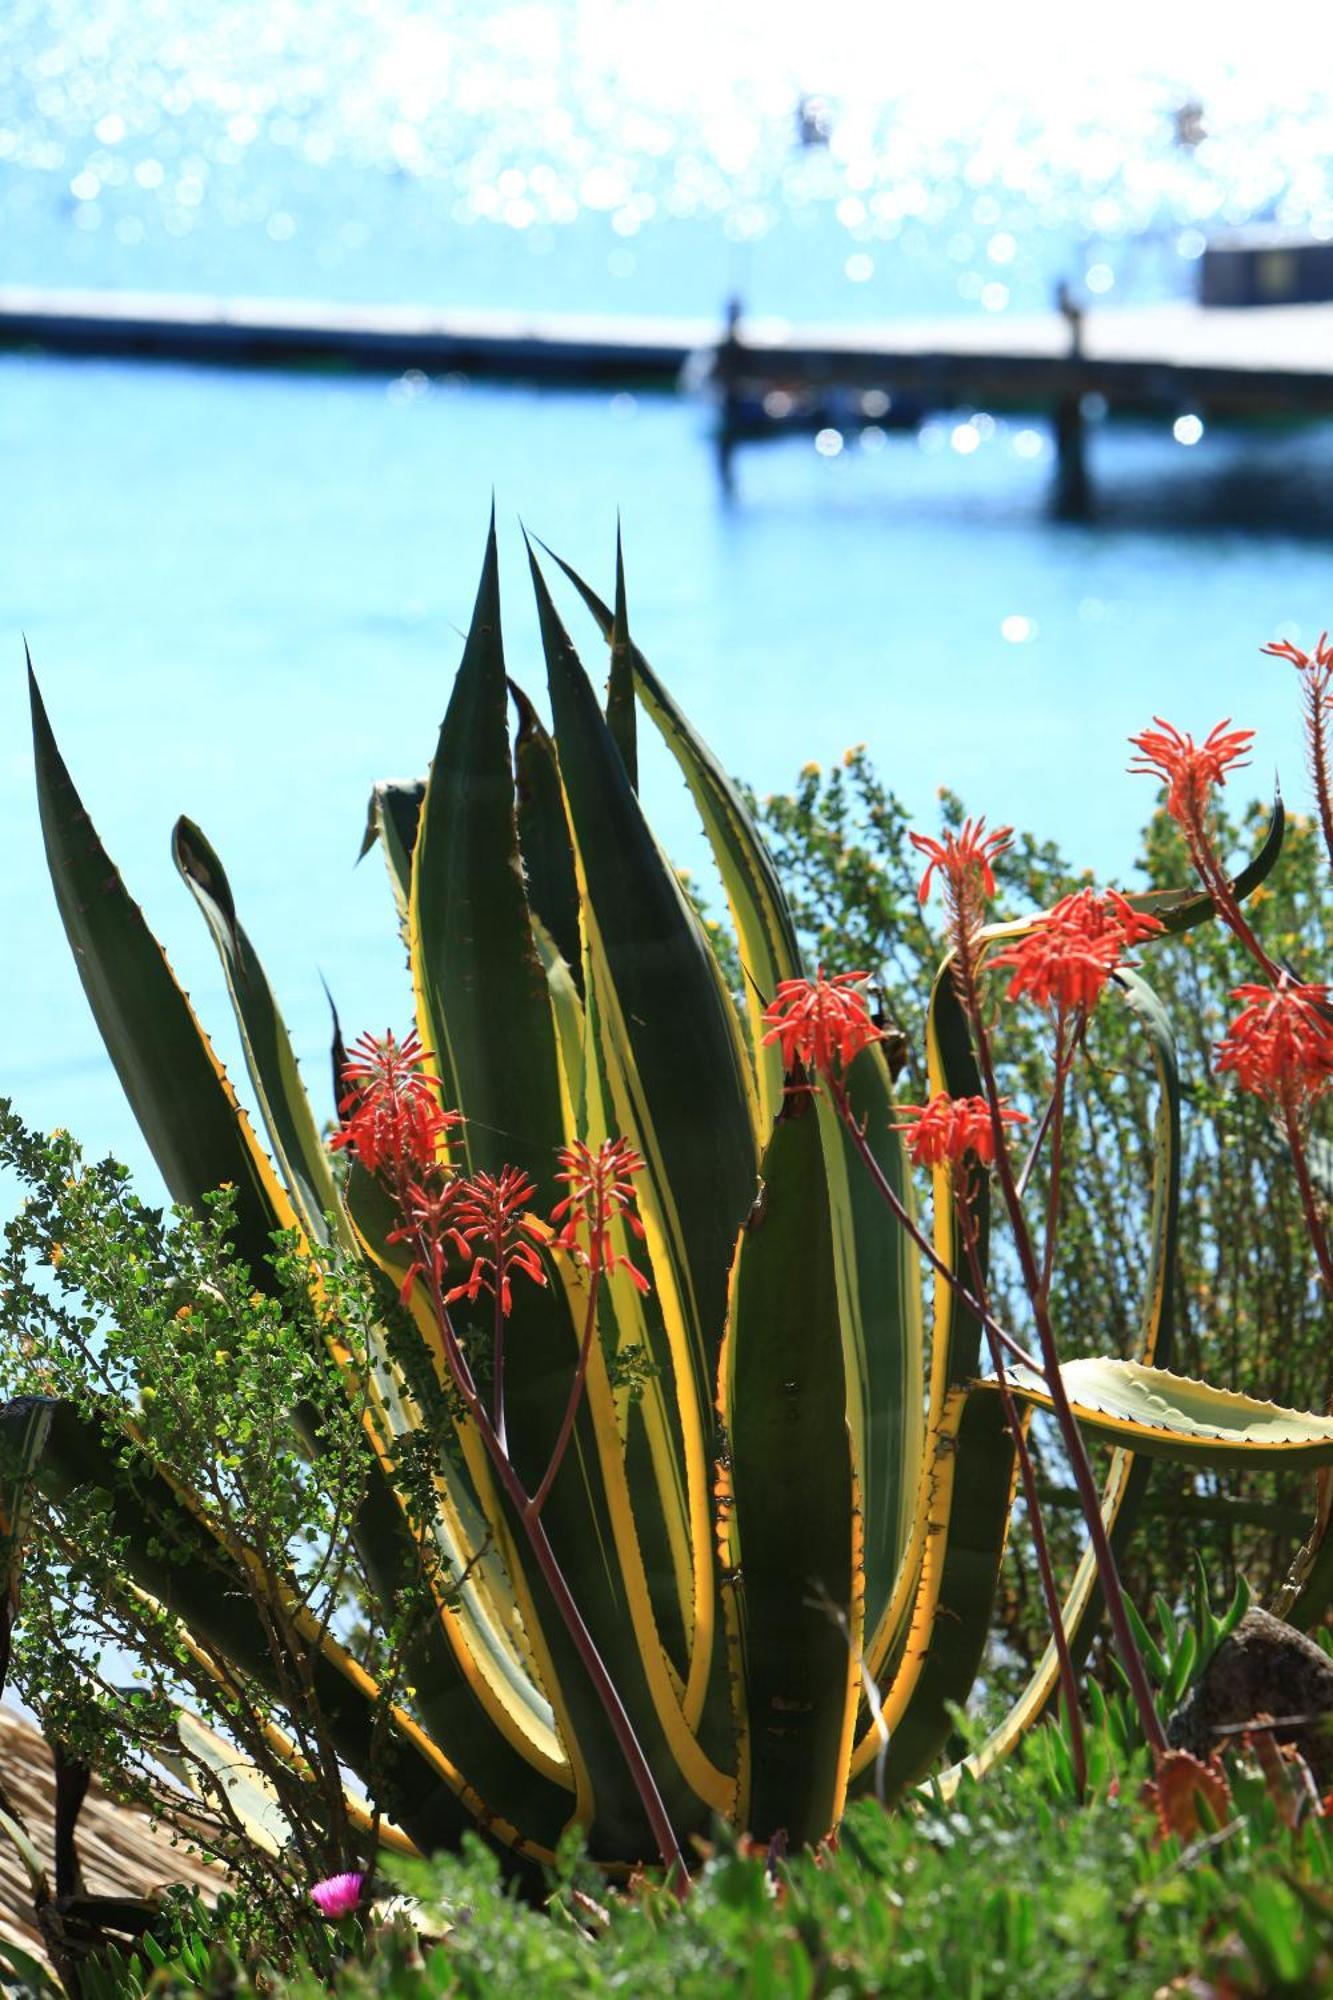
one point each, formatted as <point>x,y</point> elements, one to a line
<point>573,349</point>
<point>765,375</point>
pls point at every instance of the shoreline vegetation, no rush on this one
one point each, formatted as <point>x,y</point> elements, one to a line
<point>663,1449</point>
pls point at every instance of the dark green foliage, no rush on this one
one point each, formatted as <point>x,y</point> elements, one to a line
<point>160,1363</point>
<point>1005,1887</point>
<point>1010,1888</point>
<point>1247,1303</point>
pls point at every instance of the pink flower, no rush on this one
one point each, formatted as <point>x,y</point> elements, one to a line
<point>337,1896</point>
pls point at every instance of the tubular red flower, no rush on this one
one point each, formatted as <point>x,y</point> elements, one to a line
<point>392,1117</point>
<point>966,859</point>
<point>1281,1045</point>
<point>1189,770</point>
<point>1070,953</point>
<point>1317,665</point>
<point>600,1191</point>
<point>822,1022</point>
<point>947,1129</point>
<point>431,1224</point>
<point>491,1228</point>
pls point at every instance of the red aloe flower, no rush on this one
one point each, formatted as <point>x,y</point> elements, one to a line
<point>1070,953</point>
<point>489,1226</point>
<point>1316,666</point>
<point>431,1222</point>
<point>392,1116</point>
<point>966,859</point>
<point>948,1128</point>
<point>822,1022</point>
<point>600,1190</point>
<point>1189,770</point>
<point>1281,1045</point>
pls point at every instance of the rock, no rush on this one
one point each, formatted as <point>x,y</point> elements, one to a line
<point>1265,1668</point>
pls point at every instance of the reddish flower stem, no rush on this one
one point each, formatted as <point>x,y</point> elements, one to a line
<point>498,1359</point>
<point>1218,884</point>
<point>1318,1236</point>
<point>1090,1497</point>
<point>538,1500</point>
<point>1309,1202</point>
<point>1316,696</point>
<point>641,1774</point>
<point>1041,1549</point>
<point>1205,861</point>
<point>889,1194</point>
<point>1064,1049</point>
<point>528,1506</point>
<point>1034,1150</point>
<point>965,981</point>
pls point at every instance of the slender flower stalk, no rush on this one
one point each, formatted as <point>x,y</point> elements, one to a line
<point>554,1577</point>
<point>889,1195</point>
<point>981,1125</point>
<point>397,1129</point>
<point>1316,672</point>
<point>957,1133</point>
<point>1068,1039</point>
<point>1281,1045</point>
<point>846,1037</point>
<point>1063,964</point>
<point>1072,1437</point>
<point>600,1190</point>
<point>964,908</point>
<point>970,1122</point>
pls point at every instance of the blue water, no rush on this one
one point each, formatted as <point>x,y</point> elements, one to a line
<point>601,152</point>
<point>244,593</point>
<point>243,596</point>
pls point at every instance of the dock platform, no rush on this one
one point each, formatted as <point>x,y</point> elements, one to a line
<point>1162,360</point>
<point>558,348</point>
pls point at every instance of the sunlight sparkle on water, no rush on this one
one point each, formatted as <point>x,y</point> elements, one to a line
<point>1017,629</point>
<point>258,129</point>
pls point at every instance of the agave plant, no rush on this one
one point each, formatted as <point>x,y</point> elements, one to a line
<point>783,1534</point>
